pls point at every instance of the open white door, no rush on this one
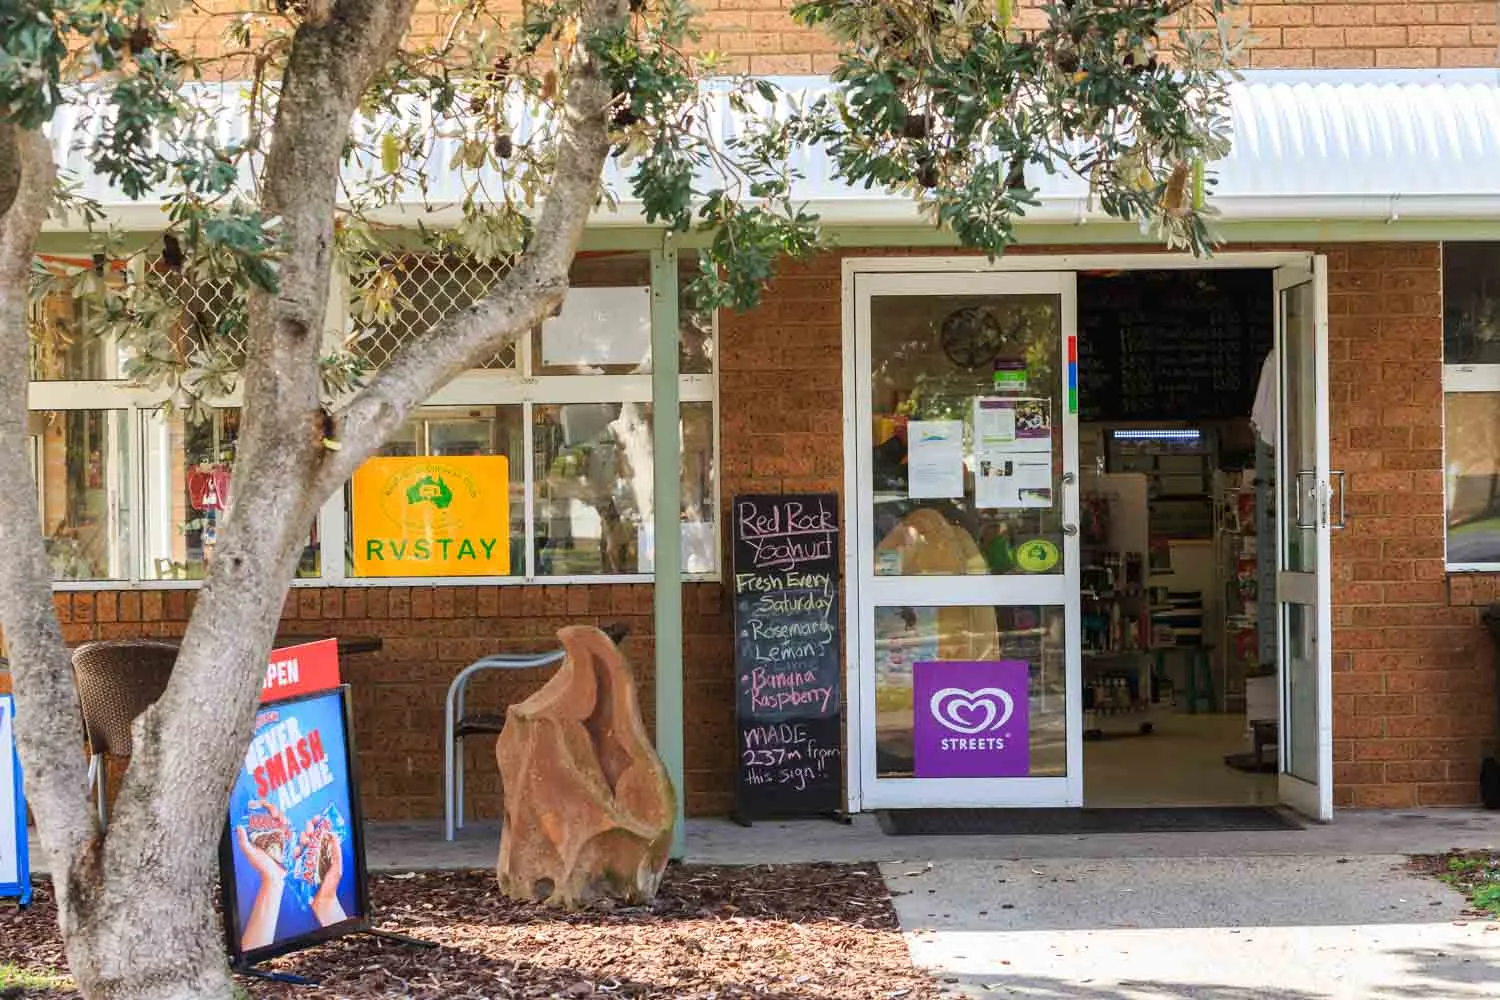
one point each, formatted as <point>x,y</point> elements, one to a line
<point>1304,581</point>
<point>966,548</point>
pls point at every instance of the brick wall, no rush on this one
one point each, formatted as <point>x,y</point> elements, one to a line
<point>1413,682</point>
<point>759,36</point>
<point>429,634</point>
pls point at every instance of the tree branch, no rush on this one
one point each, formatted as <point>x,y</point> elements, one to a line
<point>333,60</point>
<point>47,722</point>
<point>527,294</point>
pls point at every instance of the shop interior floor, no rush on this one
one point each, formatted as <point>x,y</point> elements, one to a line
<point>1181,763</point>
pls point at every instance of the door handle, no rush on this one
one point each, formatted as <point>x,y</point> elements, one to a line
<point>1070,530</point>
<point>1338,477</point>
<point>1302,495</point>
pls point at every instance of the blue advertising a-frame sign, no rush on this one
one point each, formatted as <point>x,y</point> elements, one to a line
<point>15,862</point>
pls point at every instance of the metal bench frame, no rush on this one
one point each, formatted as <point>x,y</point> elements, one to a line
<point>456,727</point>
<point>455,732</point>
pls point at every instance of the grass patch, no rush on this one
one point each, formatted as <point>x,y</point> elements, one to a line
<point>1477,876</point>
<point>20,977</point>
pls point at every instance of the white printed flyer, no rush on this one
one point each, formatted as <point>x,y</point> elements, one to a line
<point>1012,453</point>
<point>935,459</point>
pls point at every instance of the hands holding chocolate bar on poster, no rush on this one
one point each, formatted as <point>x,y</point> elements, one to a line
<point>272,849</point>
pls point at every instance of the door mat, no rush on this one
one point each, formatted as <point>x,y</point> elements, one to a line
<point>1247,762</point>
<point>1044,822</point>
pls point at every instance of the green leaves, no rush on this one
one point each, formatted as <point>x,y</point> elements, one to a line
<point>948,103</point>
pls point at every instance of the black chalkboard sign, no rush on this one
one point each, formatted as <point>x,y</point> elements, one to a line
<point>788,676</point>
<point>1172,345</point>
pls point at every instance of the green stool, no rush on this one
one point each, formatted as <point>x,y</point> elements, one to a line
<point>1200,677</point>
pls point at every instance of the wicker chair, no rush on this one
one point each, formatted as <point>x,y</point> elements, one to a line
<point>117,681</point>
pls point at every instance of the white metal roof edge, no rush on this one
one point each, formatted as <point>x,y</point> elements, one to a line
<point>1309,145</point>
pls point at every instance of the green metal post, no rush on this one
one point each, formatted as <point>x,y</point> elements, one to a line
<point>667,521</point>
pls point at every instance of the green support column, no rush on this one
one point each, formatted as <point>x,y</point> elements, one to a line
<point>667,520</point>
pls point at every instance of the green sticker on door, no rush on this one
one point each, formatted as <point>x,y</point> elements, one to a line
<point>1037,556</point>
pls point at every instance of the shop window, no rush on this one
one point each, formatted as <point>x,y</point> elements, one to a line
<point>594,489</point>
<point>458,432</point>
<point>1471,404</point>
<point>83,490</point>
<point>63,347</point>
<point>187,483</point>
<point>133,490</point>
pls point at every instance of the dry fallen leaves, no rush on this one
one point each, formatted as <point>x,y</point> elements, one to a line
<point>773,933</point>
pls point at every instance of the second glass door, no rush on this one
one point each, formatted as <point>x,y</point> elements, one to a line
<point>967,542</point>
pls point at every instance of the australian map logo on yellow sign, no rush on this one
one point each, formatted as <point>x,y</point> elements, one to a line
<point>432,517</point>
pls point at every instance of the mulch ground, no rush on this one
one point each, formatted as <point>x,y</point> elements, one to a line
<point>807,931</point>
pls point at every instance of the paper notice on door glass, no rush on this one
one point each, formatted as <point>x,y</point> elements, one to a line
<point>1012,453</point>
<point>935,459</point>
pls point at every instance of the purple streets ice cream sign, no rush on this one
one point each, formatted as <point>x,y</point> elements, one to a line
<point>971,719</point>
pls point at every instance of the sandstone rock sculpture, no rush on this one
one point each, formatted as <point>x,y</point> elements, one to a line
<point>589,809</point>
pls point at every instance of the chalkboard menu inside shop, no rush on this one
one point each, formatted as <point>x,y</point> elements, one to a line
<point>1172,345</point>
<point>788,676</point>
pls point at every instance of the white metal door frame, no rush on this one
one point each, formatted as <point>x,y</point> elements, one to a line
<point>855,459</point>
<point>1315,590</point>
<point>867,591</point>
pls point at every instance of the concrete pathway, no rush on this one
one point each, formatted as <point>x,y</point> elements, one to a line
<point>1278,928</point>
<point>405,846</point>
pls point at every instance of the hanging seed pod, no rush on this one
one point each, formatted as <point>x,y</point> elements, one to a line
<point>140,40</point>
<point>1174,196</point>
<point>927,173</point>
<point>1015,176</point>
<point>390,152</point>
<point>916,126</point>
<point>171,252</point>
<point>505,148</point>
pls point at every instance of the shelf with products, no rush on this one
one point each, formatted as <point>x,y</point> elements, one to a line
<point>1247,555</point>
<point>1120,690</point>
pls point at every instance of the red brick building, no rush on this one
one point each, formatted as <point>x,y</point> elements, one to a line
<point>1373,182</point>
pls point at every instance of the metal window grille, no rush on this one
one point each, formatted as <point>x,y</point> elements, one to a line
<point>430,287</point>
<point>205,308</point>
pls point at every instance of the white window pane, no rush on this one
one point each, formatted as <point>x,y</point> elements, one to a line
<point>63,348</point>
<point>78,461</point>
<point>1471,303</point>
<point>594,489</point>
<point>463,431</point>
<point>188,487</point>
<point>1472,476</point>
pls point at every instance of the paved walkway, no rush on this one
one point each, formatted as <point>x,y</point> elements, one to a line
<point>715,841</point>
<point>1277,927</point>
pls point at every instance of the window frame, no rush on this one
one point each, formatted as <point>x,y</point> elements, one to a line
<point>1460,378</point>
<point>478,387</point>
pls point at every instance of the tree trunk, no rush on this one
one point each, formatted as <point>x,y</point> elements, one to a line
<point>135,906</point>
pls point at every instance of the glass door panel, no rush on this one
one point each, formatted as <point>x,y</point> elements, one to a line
<point>967,540</point>
<point>1303,584</point>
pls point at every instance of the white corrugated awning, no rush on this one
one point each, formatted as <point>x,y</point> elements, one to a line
<point>1381,145</point>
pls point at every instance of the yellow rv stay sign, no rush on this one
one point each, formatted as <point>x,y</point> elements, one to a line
<point>432,517</point>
